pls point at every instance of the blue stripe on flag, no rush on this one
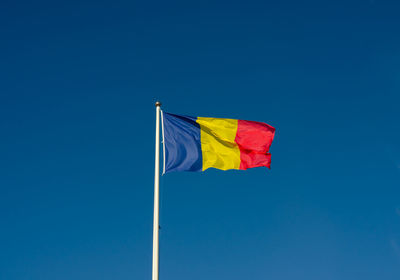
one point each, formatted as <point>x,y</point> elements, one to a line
<point>182,143</point>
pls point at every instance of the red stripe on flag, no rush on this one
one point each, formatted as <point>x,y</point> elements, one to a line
<point>254,140</point>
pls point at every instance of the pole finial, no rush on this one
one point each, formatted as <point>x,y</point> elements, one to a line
<point>158,104</point>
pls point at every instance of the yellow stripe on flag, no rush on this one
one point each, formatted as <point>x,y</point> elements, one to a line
<point>218,146</point>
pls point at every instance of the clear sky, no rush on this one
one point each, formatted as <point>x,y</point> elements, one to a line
<point>78,82</point>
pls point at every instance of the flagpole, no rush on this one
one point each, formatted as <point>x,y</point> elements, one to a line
<point>156,195</point>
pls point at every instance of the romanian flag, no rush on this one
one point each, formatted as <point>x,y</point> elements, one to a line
<point>197,143</point>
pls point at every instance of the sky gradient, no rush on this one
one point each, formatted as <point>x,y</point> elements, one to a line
<point>78,84</point>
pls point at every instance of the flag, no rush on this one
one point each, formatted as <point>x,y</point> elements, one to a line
<point>198,143</point>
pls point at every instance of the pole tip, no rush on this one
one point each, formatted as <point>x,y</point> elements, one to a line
<point>158,104</point>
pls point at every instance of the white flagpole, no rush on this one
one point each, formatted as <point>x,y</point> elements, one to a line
<point>156,195</point>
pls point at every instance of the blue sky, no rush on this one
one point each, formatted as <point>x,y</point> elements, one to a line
<point>77,91</point>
